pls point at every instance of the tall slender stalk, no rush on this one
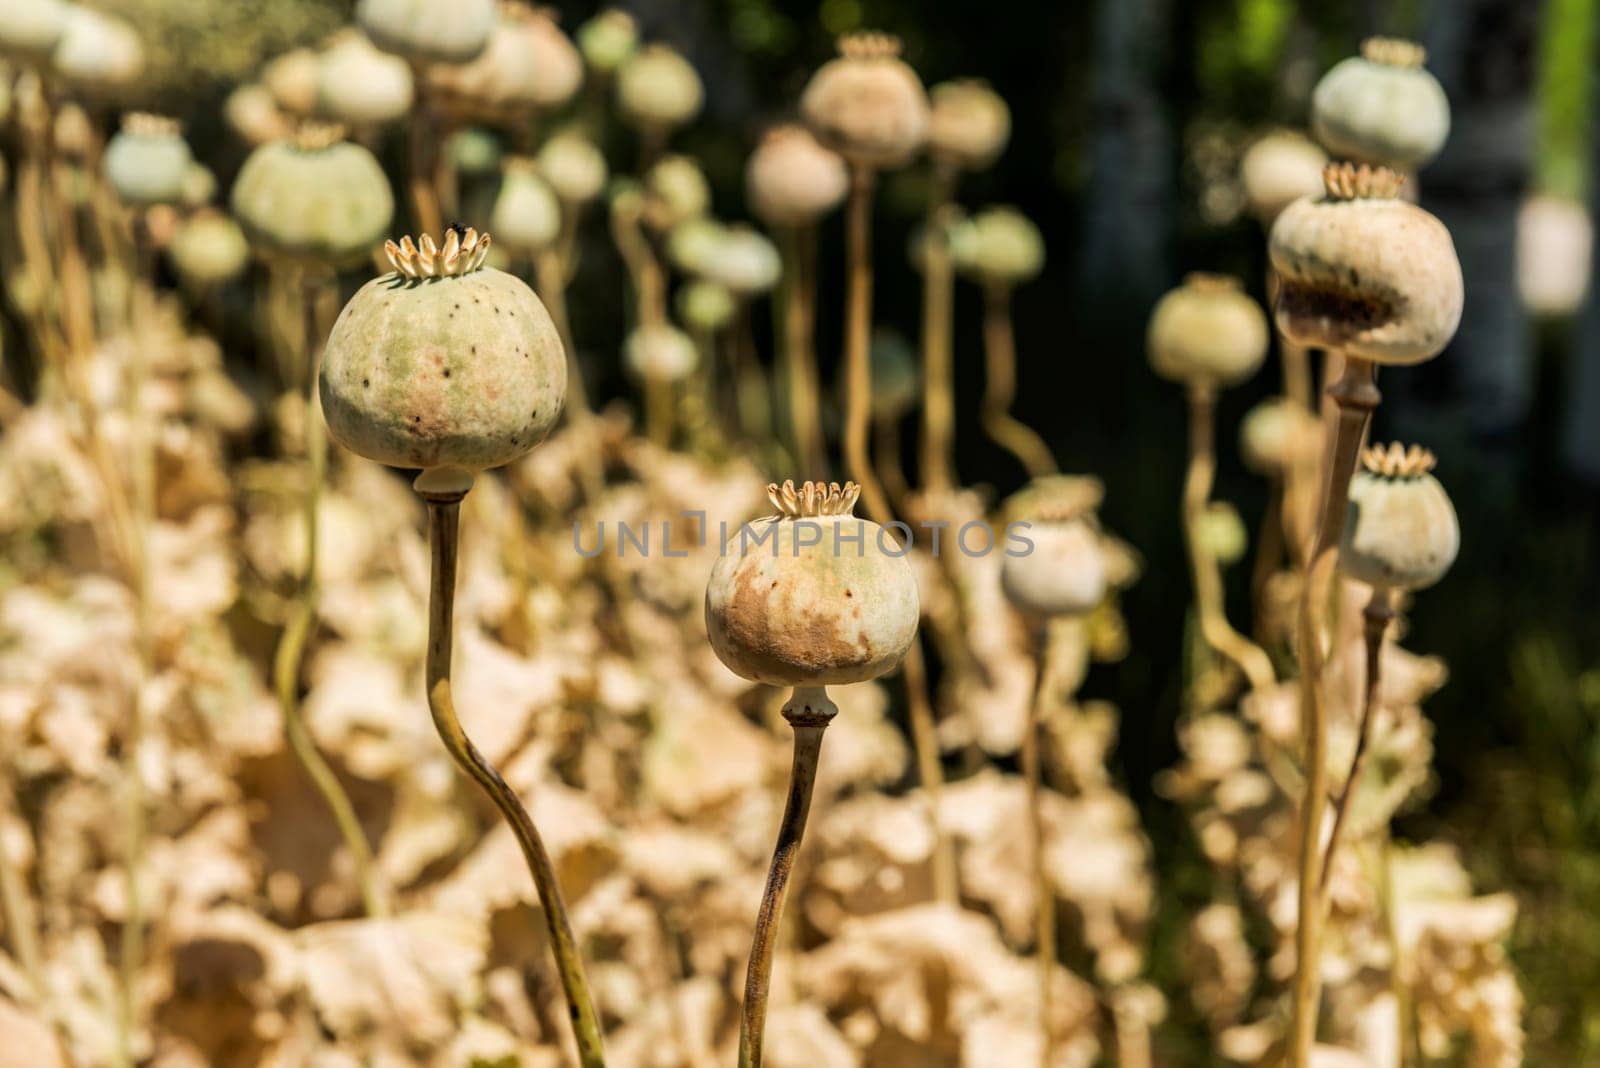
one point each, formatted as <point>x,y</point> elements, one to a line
<point>422,149</point>
<point>292,643</point>
<point>1045,901</point>
<point>925,741</point>
<point>1375,620</point>
<point>938,293</point>
<point>16,905</point>
<point>1208,591</point>
<point>858,340</point>
<point>1354,395</point>
<point>552,267</point>
<point>798,245</point>
<point>443,498</point>
<point>808,711</point>
<point>1000,387</point>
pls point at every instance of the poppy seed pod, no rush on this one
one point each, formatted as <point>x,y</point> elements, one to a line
<point>658,90</point>
<point>360,84</point>
<point>968,124</point>
<point>792,180</point>
<point>98,54</point>
<point>527,216</point>
<point>1207,333</point>
<point>253,114</point>
<point>998,246</point>
<point>315,197</point>
<point>660,353</point>
<point>1060,569</point>
<point>867,104</point>
<point>1364,273</point>
<point>1278,434</point>
<point>1400,531</point>
<point>475,152</point>
<point>812,596</point>
<point>31,29</point>
<point>608,40</point>
<point>705,306</point>
<point>1278,170</point>
<point>148,160</point>
<point>1382,107</point>
<point>693,244</point>
<point>428,31</point>
<point>199,185</point>
<point>209,249</point>
<point>292,78</point>
<point>744,261</point>
<point>527,65</point>
<point>675,190</point>
<point>443,362</point>
<point>574,167</point>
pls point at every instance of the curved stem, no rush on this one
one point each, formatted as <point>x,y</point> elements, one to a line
<point>444,517</point>
<point>1207,576</point>
<point>1000,388</point>
<point>925,740</point>
<point>1355,395</point>
<point>16,904</point>
<point>1379,611</point>
<point>809,712</point>
<point>938,293</point>
<point>858,342</point>
<point>1045,901</point>
<point>292,643</point>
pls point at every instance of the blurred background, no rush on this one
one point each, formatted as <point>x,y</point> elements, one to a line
<point>1129,120</point>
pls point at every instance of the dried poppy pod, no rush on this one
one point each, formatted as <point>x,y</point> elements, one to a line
<point>1278,170</point>
<point>1400,531</point>
<point>792,180</point>
<point>31,29</point>
<point>443,362</point>
<point>1382,107</point>
<point>148,160</point>
<point>360,84</point>
<point>608,40</point>
<point>812,596</point>
<point>693,244</point>
<point>474,152</point>
<point>98,53</point>
<point>316,197</point>
<point>658,90</point>
<point>1364,273</point>
<point>660,353</point>
<point>743,260</point>
<point>1207,333</point>
<point>292,78</point>
<point>209,249</point>
<point>526,216</point>
<point>527,65</point>
<point>998,246</point>
<point>428,31</point>
<point>253,114</point>
<point>968,124</point>
<point>1061,571</point>
<point>675,190</point>
<point>574,166</point>
<point>199,185</point>
<point>705,306</point>
<point>1278,434</point>
<point>867,104</point>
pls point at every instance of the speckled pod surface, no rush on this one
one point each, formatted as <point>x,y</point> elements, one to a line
<point>1207,332</point>
<point>1401,530</point>
<point>328,203</point>
<point>464,370</point>
<point>867,104</point>
<point>1381,107</point>
<point>1364,273</point>
<point>428,31</point>
<point>808,605</point>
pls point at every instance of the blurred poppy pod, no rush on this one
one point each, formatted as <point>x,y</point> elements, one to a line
<point>1060,568</point>
<point>1382,107</point>
<point>1279,169</point>
<point>867,104</point>
<point>1207,333</point>
<point>792,180</point>
<point>315,197</point>
<point>811,595</point>
<point>148,160</point>
<point>1365,273</point>
<point>968,124</point>
<point>608,40</point>
<point>208,250</point>
<point>428,31</point>
<point>658,90</point>
<point>527,65</point>
<point>527,216</point>
<point>252,113</point>
<point>998,246</point>
<point>675,190</point>
<point>1278,434</point>
<point>574,166</point>
<point>744,261</point>
<point>292,78</point>
<point>98,53</point>
<point>31,29</point>
<point>1400,531</point>
<point>443,362</point>
<point>660,353</point>
<point>705,306</point>
<point>360,84</point>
